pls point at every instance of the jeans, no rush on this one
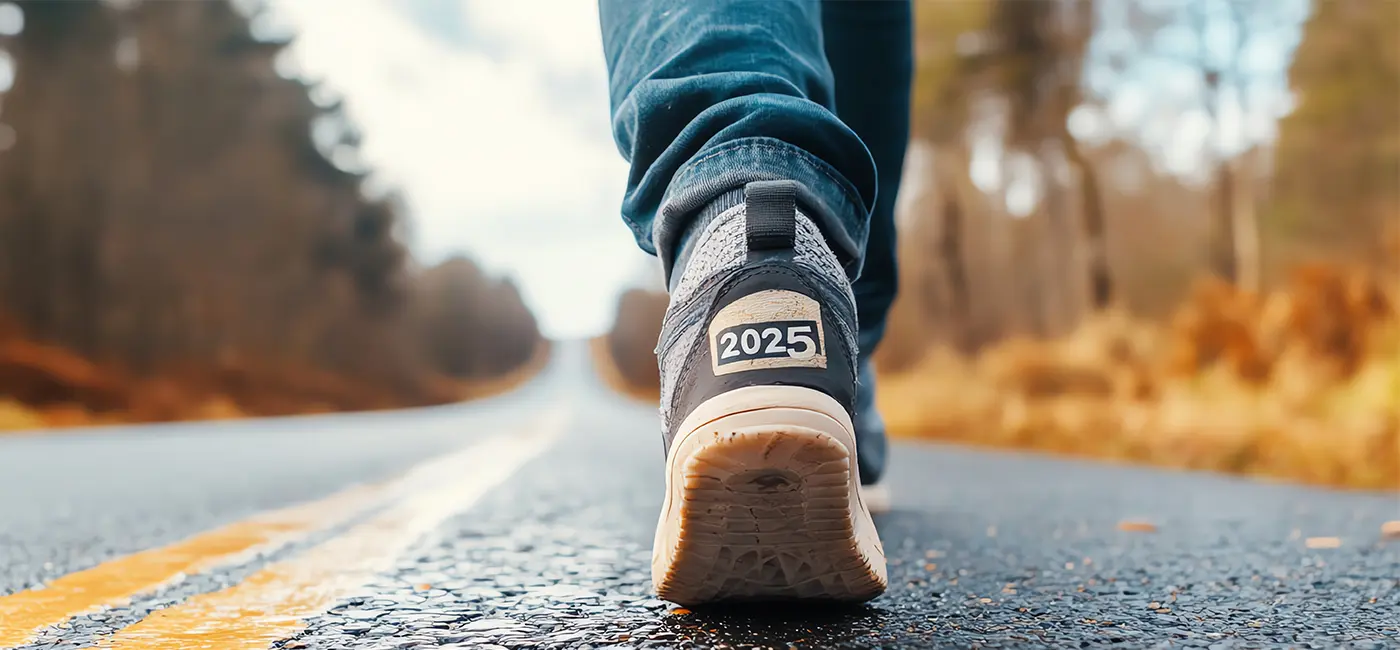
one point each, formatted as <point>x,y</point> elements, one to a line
<point>708,95</point>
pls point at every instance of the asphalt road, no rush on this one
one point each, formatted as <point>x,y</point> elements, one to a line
<point>526,520</point>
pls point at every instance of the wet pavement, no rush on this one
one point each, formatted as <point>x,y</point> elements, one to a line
<point>986,549</point>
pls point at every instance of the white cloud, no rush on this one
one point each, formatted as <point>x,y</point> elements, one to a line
<point>560,33</point>
<point>490,157</point>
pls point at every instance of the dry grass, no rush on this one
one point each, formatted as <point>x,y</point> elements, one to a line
<point>1301,384</point>
<point>45,387</point>
<point>14,415</point>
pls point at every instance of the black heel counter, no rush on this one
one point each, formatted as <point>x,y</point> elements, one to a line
<point>743,347</point>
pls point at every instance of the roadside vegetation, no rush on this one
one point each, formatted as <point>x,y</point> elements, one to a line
<point>185,233</point>
<point>1303,383</point>
<point>1240,313</point>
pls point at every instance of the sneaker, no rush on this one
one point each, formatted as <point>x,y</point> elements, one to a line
<point>758,363</point>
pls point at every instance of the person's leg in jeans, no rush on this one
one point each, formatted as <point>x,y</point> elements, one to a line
<point>870,46</point>
<point>757,199</point>
<point>707,96</point>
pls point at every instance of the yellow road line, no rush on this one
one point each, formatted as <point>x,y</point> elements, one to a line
<point>116,581</point>
<point>271,604</point>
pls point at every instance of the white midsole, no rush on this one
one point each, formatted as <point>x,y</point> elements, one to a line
<point>761,407</point>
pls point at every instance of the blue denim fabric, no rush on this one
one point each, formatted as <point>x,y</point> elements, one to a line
<point>870,46</point>
<point>708,95</point>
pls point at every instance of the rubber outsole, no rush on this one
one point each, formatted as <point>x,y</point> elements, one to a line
<point>763,503</point>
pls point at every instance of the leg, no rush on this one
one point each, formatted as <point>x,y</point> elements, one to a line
<point>870,46</point>
<point>708,96</point>
<point>747,184</point>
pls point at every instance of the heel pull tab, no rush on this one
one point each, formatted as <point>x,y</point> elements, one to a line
<point>770,209</point>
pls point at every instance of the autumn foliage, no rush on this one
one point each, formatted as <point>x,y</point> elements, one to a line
<point>186,232</point>
<point>629,344</point>
<point>1302,383</point>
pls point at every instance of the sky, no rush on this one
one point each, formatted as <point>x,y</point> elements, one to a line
<point>492,123</point>
<point>1151,91</point>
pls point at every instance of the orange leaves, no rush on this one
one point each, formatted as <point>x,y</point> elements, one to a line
<point>1302,383</point>
<point>1325,316</point>
<point>39,375</point>
<point>45,386</point>
<point>15,416</point>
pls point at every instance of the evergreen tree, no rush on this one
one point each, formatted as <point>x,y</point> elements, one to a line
<point>169,201</point>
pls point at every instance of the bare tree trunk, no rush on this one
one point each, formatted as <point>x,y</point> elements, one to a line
<point>1096,244</point>
<point>1059,277</point>
<point>1223,243</point>
<point>949,165</point>
<point>1026,309</point>
<point>993,267</point>
<point>1245,227</point>
<point>950,250</point>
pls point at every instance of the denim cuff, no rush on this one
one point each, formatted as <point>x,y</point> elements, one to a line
<point>826,196</point>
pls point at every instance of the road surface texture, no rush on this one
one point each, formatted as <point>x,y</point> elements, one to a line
<point>525,521</point>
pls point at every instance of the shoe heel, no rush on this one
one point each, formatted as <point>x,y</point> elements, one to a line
<point>763,503</point>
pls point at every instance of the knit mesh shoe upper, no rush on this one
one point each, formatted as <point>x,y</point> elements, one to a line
<point>758,302</point>
<point>758,366</point>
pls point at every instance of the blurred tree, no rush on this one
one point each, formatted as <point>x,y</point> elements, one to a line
<point>950,43</point>
<point>1224,35</point>
<point>633,338</point>
<point>997,76</point>
<point>1337,179</point>
<point>468,325</point>
<point>1040,60</point>
<point>170,199</point>
<point>43,256</point>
